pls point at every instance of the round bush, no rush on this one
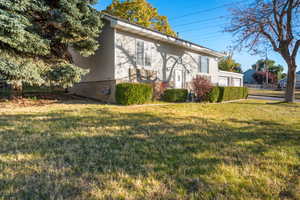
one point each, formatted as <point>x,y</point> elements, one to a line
<point>133,93</point>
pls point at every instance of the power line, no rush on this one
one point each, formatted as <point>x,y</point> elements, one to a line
<point>197,22</point>
<point>205,10</point>
<point>211,36</point>
<point>214,38</point>
<point>210,33</point>
<point>202,27</point>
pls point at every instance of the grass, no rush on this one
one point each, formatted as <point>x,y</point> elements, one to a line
<point>75,150</point>
<point>271,93</point>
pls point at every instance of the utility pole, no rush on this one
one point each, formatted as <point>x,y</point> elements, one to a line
<point>266,68</point>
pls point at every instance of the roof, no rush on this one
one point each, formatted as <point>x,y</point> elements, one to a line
<point>248,76</point>
<point>235,74</point>
<point>125,25</point>
<point>251,71</point>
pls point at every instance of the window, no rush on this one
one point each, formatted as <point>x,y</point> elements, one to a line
<point>140,53</point>
<point>203,64</point>
<point>143,53</point>
<point>147,55</point>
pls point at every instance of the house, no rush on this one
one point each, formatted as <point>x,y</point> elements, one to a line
<point>248,76</point>
<point>132,53</point>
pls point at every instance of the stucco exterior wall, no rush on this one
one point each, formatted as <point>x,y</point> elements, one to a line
<point>165,59</point>
<point>100,82</point>
<point>101,64</point>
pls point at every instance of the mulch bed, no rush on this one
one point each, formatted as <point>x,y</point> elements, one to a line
<point>36,100</point>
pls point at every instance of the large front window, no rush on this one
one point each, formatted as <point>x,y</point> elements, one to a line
<point>203,64</point>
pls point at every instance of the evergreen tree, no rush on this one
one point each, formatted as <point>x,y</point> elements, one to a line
<point>35,36</point>
<point>140,12</point>
<point>273,67</point>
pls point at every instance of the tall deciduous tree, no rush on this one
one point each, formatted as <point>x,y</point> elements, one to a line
<point>274,23</point>
<point>140,12</point>
<point>35,36</point>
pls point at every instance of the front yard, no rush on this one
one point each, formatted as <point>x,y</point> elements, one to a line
<point>75,150</point>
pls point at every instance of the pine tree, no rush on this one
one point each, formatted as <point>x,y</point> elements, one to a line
<point>35,36</point>
<point>140,12</point>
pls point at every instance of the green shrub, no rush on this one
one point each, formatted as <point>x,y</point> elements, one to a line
<point>175,95</point>
<point>133,93</point>
<point>213,95</point>
<point>232,93</point>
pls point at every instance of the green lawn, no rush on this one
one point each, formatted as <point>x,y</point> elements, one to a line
<point>75,150</point>
<point>271,93</point>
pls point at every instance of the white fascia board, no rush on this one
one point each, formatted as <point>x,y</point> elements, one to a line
<point>158,36</point>
<point>225,73</point>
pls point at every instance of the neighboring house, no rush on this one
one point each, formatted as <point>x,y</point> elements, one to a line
<point>283,82</point>
<point>248,76</point>
<point>132,53</point>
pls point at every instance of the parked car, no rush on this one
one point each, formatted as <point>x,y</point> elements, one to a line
<point>282,83</point>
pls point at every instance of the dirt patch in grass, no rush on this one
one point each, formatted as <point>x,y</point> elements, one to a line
<point>37,99</point>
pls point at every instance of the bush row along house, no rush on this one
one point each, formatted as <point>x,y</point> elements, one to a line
<point>132,53</point>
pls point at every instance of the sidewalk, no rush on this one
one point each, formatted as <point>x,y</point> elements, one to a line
<point>269,98</point>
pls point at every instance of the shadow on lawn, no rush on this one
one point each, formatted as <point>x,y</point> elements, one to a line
<point>69,155</point>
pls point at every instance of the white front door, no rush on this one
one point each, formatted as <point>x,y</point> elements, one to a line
<point>178,79</point>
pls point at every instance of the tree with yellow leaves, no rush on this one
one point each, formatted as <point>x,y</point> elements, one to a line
<point>142,13</point>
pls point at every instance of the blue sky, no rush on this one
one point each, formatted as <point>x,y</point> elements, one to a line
<point>203,22</point>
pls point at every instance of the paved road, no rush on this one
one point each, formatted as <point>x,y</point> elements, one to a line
<point>269,98</point>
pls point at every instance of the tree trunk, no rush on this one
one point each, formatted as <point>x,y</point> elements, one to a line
<point>17,90</point>
<point>291,84</point>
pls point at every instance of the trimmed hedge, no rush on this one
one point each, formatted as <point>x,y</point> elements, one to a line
<point>213,95</point>
<point>133,93</point>
<point>232,93</point>
<point>175,95</point>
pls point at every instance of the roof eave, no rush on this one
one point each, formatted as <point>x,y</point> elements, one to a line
<point>129,27</point>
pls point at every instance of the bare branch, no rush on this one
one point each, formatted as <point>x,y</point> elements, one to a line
<point>295,51</point>
<point>289,30</point>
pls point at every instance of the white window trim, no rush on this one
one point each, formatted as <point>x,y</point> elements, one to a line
<point>200,65</point>
<point>144,56</point>
<point>136,53</point>
<point>149,49</point>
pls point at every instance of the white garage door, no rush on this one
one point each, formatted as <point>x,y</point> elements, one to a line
<point>237,82</point>
<point>223,81</point>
